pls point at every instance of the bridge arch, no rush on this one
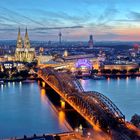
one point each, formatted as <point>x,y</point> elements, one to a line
<point>93,106</point>
<point>107,104</point>
<point>54,80</point>
<point>107,112</point>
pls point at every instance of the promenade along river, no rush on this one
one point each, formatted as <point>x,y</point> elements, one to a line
<point>25,108</point>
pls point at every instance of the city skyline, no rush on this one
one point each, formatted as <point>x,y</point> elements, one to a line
<point>104,19</point>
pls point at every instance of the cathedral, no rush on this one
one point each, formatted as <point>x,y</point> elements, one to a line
<point>23,50</point>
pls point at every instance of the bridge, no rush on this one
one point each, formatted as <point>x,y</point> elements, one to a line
<point>98,110</point>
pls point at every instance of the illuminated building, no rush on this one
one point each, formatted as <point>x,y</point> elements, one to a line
<point>44,59</point>
<point>96,65</point>
<point>70,61</point>
<point>65,53</point>
<point>7,58</point>
<point>26,53</point>
<point>136,47</point>
<point>84,65</point>
<point>3,59</point>
<point>10,65</point>
<point>121,66</point>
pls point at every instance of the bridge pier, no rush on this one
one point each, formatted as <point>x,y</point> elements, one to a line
<point>40,83</point>
<point>88,108</point>
<point>62,102</point>
<point>43,84</point>
<point>54,97</point>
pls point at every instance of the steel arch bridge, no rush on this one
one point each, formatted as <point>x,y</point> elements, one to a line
<point>98,110</point>
<point>93,106</point>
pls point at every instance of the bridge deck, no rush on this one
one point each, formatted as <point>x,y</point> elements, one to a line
<point>94,107</point>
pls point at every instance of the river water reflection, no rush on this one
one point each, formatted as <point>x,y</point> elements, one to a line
<point>125,93</point>
<point>25,109</point>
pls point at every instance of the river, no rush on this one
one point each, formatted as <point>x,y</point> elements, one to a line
<point>25,109</point>
<point>125,93</point>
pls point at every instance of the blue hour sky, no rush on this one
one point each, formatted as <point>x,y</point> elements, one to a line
<point>76,19</point>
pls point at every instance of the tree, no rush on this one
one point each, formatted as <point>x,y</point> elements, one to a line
<point>108,71</point>
<point>136,120</point>
<point>24,73</point>
<point>3,75</point>
<point>133,71</point>
<point>123,71</point>
<point>94,71</point>
<point>115,71</point>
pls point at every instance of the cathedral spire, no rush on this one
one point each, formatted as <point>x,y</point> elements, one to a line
<point>26,40</point>
<point>18,31</point>
<point>25,54</point>
<point>26,34</point>
<point>19,39</point>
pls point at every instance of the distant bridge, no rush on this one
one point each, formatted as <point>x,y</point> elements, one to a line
<point>94,107</point>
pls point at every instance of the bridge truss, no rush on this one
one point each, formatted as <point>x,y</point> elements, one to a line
<point>93,106</point>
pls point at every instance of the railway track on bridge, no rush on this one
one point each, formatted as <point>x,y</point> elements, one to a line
<point>94,107</point>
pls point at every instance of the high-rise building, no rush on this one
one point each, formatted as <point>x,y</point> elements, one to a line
<point>24,53</point>
<point>60,38</point>
<point>90,42</point>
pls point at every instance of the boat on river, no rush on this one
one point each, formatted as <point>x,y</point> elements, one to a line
<point>95,77</point>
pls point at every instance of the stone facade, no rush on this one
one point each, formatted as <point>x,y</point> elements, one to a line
<point>24,53</point>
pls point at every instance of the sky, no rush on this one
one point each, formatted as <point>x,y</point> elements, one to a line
<point>106,20</point>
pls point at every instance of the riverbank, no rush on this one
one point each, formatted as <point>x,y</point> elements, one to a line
<point>106,76</point>
<point>119,75</point>
<point>2,80</point>
<point>58,136</point>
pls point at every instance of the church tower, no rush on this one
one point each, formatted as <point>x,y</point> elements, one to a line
<point>19,40</point>
<point>26,40</point>
<point>90,42</point>
<point>24,54</point>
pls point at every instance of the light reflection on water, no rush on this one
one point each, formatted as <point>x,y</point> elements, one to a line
<point>59,114</point>
<point>25,109</point>
<point>61,117</point>
<point>9,84</point>
<point>1,86</point>
<point>125,93</point>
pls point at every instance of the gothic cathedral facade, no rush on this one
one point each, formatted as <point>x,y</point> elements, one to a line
<point>24,52</point>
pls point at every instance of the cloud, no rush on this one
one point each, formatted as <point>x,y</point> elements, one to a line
<point>134,16</point>
<point>61,18</point>
<point>126,20</point>
<point>108,15</point>
<point>18,18</point>
<point>75,20</point>
<point>97,2</point>
<point>117,37</point>
<point>109,35</point>
<point>44,19</point>
<point>8,19</point>
<point>57,28</point>
<point>105,20</point>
